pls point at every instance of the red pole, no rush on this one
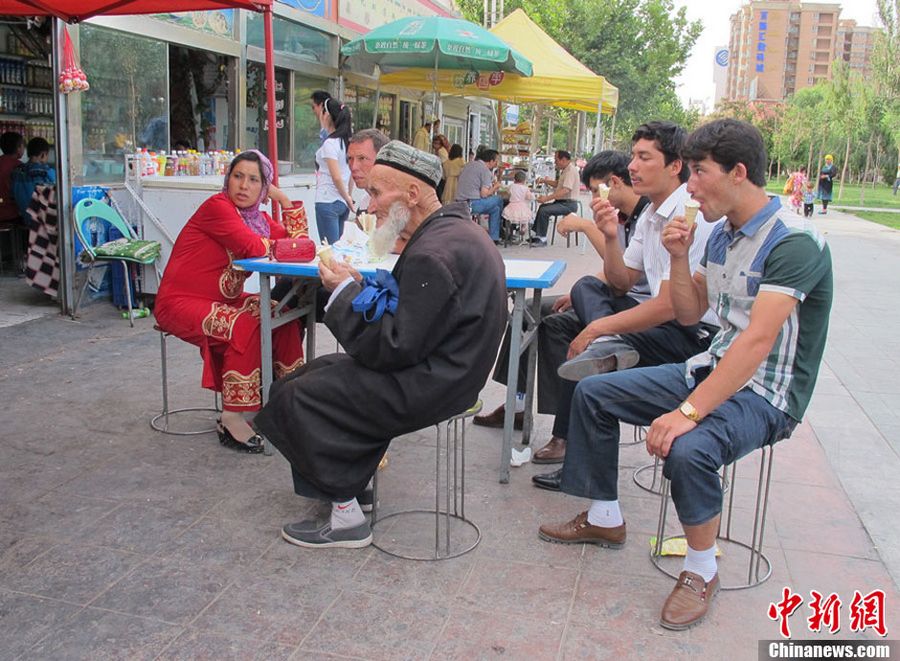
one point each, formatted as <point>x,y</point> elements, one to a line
<point>270,102</point>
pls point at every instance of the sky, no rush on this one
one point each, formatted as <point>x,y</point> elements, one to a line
<point>696,81</point>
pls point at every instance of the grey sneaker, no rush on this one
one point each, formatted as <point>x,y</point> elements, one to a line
<point>599,358</point>
<point>319,534</point>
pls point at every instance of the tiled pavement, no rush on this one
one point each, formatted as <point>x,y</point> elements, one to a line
<point>119,542</point>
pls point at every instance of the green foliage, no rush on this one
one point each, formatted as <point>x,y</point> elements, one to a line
<point>640,46</point>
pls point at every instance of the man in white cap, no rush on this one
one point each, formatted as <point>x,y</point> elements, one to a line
<point>420,358</point>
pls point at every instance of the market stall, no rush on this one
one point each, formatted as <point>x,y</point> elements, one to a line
<point>73,11</point>
<point>558,78</point>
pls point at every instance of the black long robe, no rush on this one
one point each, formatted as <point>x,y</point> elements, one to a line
<point>334,418</point>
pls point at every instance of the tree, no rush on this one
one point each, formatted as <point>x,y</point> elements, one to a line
<point>640,46</point>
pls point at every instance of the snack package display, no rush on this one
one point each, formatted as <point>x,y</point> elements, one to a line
<point>690,212</point>
<point>603,191</point>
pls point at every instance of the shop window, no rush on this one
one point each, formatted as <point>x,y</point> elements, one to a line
<point>198,87</point>
<point>128,104</point>
<point>257,131</point>
<point>306,124</point>
<point>290,37</point>
<point>362,103</point>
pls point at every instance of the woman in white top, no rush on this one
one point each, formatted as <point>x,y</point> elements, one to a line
<point>333,183</point>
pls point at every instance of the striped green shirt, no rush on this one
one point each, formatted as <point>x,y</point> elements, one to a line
<point>775,251</point>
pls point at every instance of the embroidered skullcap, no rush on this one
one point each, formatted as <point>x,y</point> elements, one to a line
<point>421,165</point>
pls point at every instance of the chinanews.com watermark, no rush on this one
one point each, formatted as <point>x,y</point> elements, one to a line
<point>826,614</point>
<point>832,649</point>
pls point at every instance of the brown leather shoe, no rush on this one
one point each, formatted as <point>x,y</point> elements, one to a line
<point>689,601</point>
<point>552,453</point>
<point>579,531</point>
<point>495,419</point>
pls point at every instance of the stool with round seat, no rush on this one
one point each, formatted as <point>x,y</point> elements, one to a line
<point>759,568</point>
<point>551,228</point>
<point>449,513</point>
<point>161,421</point>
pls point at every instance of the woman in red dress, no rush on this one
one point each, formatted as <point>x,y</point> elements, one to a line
<point>201,297</point>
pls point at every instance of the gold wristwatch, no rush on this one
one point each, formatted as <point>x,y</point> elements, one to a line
<point>688,411</point>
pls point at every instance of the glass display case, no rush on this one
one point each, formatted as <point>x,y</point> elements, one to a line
<point>128,104</point>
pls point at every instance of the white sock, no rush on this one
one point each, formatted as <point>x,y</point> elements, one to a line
<point>605,513</point>
<point>701,562</point>
<point>520,402</point>
<point>346,515</point>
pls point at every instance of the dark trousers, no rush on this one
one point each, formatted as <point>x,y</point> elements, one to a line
<point>560,208</point>
<point>556,332</point>
<point>741,424</point>
<point>667,343</point>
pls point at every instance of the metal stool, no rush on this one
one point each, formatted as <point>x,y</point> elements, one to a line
<point>166,413</point>
<point>454,494</point>
<point>756,573</point>
<point>14,232</point>
<point>551,228</point>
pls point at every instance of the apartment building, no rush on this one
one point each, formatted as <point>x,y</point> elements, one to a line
<point>780,46</point>
<point>855,44</point>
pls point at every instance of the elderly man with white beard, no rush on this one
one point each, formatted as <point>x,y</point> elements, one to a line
<point>419,344</point>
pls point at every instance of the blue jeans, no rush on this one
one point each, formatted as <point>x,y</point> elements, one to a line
<point>492,206</point>
<point>742,424</point>
<point>330,217</point>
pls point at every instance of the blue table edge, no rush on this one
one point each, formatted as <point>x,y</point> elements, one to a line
<point>268,267</point>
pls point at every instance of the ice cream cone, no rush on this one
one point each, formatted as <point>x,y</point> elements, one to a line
<point>325,254</point>
<point>602,191</point>
<point>690,212</point>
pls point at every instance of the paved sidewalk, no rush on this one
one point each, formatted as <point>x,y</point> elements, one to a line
<point>119,542</point>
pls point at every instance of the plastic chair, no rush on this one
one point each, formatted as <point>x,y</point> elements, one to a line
<point>85,210</point>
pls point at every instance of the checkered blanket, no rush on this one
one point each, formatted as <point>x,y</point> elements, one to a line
<point>42,265</point>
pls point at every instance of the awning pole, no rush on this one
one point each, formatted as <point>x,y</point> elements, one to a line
<point>434,86</point>
<point>377,97</point>
<point>598,129</point>
<point>66,247</point>
<point>270,100</point>
<point>612,130</point>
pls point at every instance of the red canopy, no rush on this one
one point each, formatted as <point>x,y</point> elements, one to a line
<point>72,11</point>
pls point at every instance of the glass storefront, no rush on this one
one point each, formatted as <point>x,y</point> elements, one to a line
<point>199,115</point>
<point>128,104</point>
<point>290,37</point>
<point>306,124</point>
<point>256,135</point>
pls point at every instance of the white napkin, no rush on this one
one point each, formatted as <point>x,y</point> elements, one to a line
<point>520,457</point>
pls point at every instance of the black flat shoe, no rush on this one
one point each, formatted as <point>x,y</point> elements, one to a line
<point>548,481</point>
<point>254,444</point>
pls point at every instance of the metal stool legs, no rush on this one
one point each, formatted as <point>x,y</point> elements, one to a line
<point>760,567</point>
<point>166,413</point>
<point>453,496</point>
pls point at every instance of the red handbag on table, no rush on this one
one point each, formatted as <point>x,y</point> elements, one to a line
<point>299,249</point>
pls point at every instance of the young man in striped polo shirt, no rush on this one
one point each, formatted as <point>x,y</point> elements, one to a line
<point>767,275</point>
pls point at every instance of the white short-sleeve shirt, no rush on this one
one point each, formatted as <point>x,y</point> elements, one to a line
<point>645,251</point>
<point>326,191</point>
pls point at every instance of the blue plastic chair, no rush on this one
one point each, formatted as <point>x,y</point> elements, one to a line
<point>86,210</point>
